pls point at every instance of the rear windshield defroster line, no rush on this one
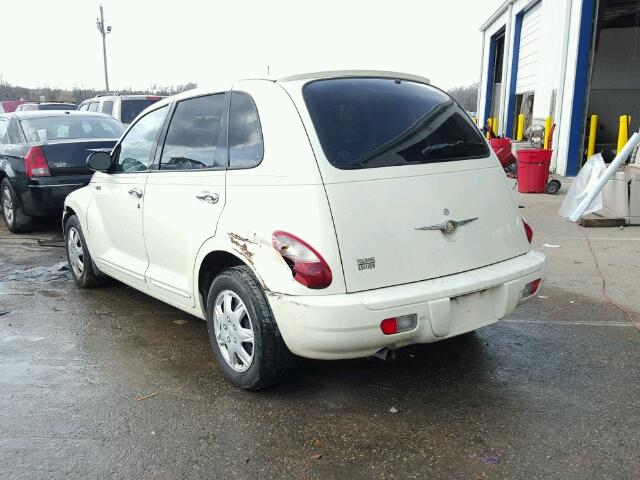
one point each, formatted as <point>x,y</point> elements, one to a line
<point>379,122</point>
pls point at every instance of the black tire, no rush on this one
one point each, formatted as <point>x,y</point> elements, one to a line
<point>19,222</point>
<point>88,277</point>
<point>552,187</point>
<point>272,361</point>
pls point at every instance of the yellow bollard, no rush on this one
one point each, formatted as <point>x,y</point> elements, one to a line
<point>494,127</point>
<point>593,128</point>
<point>547,131</point>
<point>490,124</point>
<point>623,131</point>
<point>520,131</point>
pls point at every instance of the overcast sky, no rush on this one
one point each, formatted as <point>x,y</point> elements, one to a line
<point>56,43</point>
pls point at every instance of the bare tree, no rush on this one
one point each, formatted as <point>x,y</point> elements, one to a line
<point>78,93</point>
<point>467,96</point>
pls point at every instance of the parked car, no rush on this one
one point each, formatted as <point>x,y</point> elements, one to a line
<point>8,106</point>
<point>332,215</point>
<point>43,157</point>
<point>124,108</point>
<point>31,106</point>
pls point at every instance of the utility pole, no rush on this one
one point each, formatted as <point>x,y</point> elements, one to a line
<point>103,31</point>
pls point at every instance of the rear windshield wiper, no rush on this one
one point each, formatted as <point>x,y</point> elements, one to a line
<point>449,146</point>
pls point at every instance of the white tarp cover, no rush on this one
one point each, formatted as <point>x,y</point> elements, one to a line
<point>582,185</point>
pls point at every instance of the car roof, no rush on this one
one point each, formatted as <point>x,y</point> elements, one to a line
<point>55,103</point>
<point>225,85</point>
<point>355,74</point>
<point>54,113</point>
<point>107,96</point>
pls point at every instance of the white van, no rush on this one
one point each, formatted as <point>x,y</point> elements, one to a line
<point>330,215</point>
<point>124,108</point>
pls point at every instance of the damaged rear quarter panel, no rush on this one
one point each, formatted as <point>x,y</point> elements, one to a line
<point>284,192</point>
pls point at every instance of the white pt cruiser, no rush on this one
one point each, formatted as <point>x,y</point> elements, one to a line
<point>329,215</point>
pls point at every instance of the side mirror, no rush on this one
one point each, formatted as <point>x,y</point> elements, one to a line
<point>99,161</point>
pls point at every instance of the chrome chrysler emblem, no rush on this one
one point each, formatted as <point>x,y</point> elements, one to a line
<point>449,226</point>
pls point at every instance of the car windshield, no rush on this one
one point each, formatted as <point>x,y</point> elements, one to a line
<point>67,127</point>
<point>379,122</point>
<point>132,108</point>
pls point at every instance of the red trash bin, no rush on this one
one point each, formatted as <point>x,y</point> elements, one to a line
<point>502,149</point>
<point>533,169</point>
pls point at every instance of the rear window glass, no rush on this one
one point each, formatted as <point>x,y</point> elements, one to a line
<point>42,129</point>
<point>107,107</point>
<point>376,122</point>
<point>130,109</point>
<point>57,106</point>
<point>245,134</point>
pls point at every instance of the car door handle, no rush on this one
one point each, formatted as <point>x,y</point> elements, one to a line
<point>136,192</point>
<point>208,197</point>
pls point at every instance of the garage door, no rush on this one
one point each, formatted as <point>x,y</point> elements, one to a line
<point>529,51</point>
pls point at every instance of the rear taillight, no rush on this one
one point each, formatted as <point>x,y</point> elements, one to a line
<point>403,323</point>
<point>153,97</point>
<point>35,163</point>
<point>528,230</point>
<point>307,265</point>
<point>531,288</point>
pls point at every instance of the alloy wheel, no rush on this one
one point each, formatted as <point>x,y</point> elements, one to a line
<point>234,330</point>
<point>7,205</point>
<point>76,252</point>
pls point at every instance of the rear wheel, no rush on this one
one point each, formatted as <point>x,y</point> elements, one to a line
<point>78,255</point>
<point>15,218</point>
<point>243,333</point>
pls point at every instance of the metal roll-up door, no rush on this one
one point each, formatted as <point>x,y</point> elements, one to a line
<point>529,50</point>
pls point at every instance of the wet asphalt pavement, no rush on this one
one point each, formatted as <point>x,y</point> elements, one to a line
<point>110,383</point>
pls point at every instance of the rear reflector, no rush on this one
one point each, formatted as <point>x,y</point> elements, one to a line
<point>531,288</point>
<point>528,231</point>
<point>35,163</point>
<point>404,323</point>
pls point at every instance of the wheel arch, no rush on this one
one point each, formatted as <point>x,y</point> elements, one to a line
<point>210,266</point>
<point>67,213</point>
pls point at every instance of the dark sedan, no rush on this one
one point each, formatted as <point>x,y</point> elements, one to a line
<point>43,158</point>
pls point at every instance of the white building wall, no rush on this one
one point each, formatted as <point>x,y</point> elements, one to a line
<point>553,90</point>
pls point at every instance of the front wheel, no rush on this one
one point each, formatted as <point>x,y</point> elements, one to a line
<point>245,338</point>
<point>79,257</point>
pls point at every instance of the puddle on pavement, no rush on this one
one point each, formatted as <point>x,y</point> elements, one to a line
<point>57,271</point>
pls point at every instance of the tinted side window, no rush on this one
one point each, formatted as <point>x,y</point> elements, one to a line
<point>107,107</point>
<point>93,106</point>
<point>246,147</point>
<point>194,138</point>
<point>137,146</point>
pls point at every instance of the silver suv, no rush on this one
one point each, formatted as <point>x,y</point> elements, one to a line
<point>124,108</point>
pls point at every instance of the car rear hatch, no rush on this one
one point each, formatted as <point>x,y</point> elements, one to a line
<point>414,190</point>
<point>69,157</point>
<point>67,139</point>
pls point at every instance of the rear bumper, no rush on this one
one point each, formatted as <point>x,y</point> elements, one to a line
<point>348,325</point>
<point>45,196</point>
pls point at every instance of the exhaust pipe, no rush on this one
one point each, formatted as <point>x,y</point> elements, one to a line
<point>385,354</point>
